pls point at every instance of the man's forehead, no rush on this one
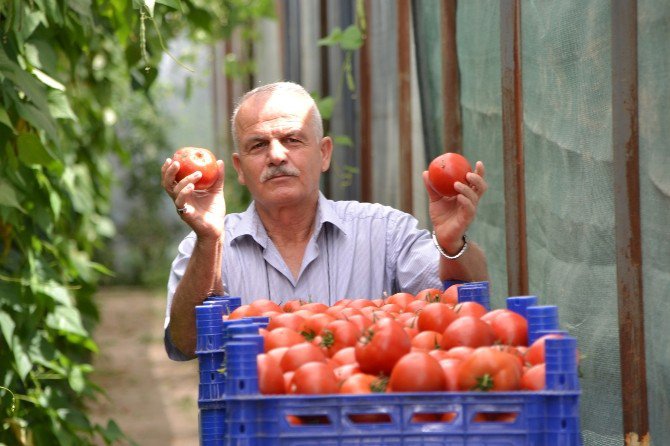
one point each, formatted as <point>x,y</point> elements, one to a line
<point>276,111</point>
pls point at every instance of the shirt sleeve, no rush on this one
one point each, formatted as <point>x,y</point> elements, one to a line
<point>177,270</point>
<point>415,260</point>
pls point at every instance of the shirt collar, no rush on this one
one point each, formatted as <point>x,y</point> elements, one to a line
<point>250,223</point>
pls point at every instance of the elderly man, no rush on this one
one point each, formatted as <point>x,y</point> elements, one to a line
<point>292,242</point>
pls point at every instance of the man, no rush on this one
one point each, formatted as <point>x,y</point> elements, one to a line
<point>294,243</point>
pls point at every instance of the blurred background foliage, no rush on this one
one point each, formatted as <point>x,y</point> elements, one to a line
<point>79,120</point>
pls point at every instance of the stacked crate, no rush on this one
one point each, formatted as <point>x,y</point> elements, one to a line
<point>234,413</point>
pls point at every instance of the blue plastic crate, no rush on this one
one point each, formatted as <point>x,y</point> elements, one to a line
<point>242,416</point>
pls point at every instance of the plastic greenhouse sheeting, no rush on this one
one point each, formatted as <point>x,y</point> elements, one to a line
<point>567,93</point>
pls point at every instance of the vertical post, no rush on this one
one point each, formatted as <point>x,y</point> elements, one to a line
<point>625,140</point>
<point>451,95</point>
<point>325,79</point>
<point>512,123</point>
<point>230,97</point>
<point>366,114</point>
<point>216,105</point>
<point>405,104</point>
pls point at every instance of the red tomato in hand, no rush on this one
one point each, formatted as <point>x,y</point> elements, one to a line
<point>445,170</point>
<point>193,159</point>
<point>381,346</point>
<point>417,372</point>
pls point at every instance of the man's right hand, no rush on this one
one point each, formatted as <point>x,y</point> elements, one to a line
<point>203,210</point>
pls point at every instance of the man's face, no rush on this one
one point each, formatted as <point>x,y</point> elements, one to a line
<point>280,158</point>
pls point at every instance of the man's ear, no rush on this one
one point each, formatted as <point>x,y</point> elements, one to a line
<point>238,168</point>
<point>326,152</point>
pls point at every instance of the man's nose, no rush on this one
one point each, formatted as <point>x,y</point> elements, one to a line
<point>277,152</point>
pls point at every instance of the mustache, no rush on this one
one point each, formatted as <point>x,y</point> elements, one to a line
<point>276,171</point>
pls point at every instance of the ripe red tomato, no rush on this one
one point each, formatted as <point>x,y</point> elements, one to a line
<point>534,378</point>
<point>470,308</point>
<point>347,355</point>
<point>270,376</point>
<point>263,305</point>
<point>243,311</point>
<point>450,295</point>
<point>345,371</point>
<point>510,328</point>
<point>535,353</point>
<point>292,305</point>
<point>417,372</point>
<point>381,346</point>
<point>445,170</point>
<point>314,378</point>
<point>193,159</point>
<point>469,331</point>
<point>300,354</point>
<point>427,340</point>
<point>401,299</point>
<point>489,369</point>
<point>289,320</point>
<point>429,295</point>
<point>450,368</point>
<point>339,334</point>
<point>361,383</point>
<point>315,324</point>
<point>436,317</point>
<point>282,337</point>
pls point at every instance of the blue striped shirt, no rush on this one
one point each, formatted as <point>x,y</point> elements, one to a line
<point>356,250</point>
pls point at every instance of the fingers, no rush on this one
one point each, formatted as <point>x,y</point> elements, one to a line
<point>222,173</point>
<point>169,171</point>
<point>432,194</point>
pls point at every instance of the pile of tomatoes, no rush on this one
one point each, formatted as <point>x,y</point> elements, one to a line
<point>402,343</point>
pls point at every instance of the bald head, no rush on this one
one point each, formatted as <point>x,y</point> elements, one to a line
<point>288,91</point>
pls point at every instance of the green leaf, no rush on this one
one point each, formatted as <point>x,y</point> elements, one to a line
<point>41,54</point>
<point>48,80</point>
<point>66,319</point>
<point>60,106</point>
<point>332,39</point>
<point>24,81</point>
<point>8,196</point>
<point>4,119</point>
<point>39,118</point>
<point>351,39</point>
<point>55,291</point>
<point>22,361</point>
<point>7,326</point>
<point>76,379</point>
<point>32,151</point>
<point>174,4</point>
<point>112,433</point>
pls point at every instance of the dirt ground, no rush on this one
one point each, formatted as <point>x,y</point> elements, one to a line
<point>152,399</point>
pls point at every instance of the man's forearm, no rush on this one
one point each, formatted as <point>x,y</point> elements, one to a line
<point>470,267</point>
<point>201,279</point>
